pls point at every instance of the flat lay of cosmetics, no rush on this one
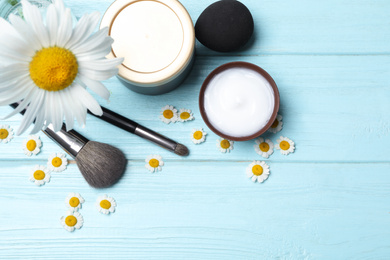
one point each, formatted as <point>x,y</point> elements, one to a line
<point>151,49</point>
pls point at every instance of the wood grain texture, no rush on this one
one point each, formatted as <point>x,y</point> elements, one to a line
<point>204,210</point>
<point>328,200</point>
<point>332,107</point>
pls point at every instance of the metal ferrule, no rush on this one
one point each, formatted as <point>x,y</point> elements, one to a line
<point>155,138</point>
<point>71,141</point>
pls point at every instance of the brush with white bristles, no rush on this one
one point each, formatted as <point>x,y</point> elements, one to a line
<point>102,165</point>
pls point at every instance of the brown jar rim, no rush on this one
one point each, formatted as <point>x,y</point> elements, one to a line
<point>239,64</point>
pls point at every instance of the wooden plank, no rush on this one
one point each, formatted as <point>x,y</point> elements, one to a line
<point>335,108</point>
<point>299,27</point>
<point>204,210</point>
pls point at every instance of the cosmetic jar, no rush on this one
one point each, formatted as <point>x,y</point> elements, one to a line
<point>156,38</point>
<point>239,101</point>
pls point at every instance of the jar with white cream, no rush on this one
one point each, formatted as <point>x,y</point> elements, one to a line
<point>156,38</point>
<point>239,101</point>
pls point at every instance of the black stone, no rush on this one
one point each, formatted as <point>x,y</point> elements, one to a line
<point>224,26</point>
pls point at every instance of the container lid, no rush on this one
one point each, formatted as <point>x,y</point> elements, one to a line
<point>155,37</point>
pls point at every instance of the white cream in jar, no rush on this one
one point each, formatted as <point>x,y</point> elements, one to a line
<point>239,102</point>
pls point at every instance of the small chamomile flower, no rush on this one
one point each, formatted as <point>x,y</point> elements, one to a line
<point>73,220</point>
<point>32,145</point>
<point>6,133</point>
<point>74,201</point>
<point>168,114</point>
<point>57,162</point>
<point>225,145</point>
<point>105,204</point>
<point>257,171</point>
<point>154,163</point>
<point>185,115</point>
<point>285,145</point>
<point>198,135</point>
<point>40,175</point>
<point>277,125</point>
<point>264,147</point>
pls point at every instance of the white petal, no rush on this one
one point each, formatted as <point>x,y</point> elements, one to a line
<point>31,112</point>
<point>52,24</point>
<point>17,95</point>
<point>58,111</point>
<point>87,100</point>
<point>96,86</point>
<point>65,29</point>
<point>68,106</point>
<point>104,64</point>
<point>98,75</point>
<point>33,16</point>
<point>25,29</point>
<point>99,39</point>
<point>22,105</point>
<point>84,29</point>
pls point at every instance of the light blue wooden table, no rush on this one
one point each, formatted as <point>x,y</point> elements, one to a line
<point>328,200</point>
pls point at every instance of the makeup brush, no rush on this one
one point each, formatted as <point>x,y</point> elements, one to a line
<point>101,165</point>
<point>137,129</point>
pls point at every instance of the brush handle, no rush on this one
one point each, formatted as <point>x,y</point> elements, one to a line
<point>72,142</point>
<point>117,120</point>
<point>137,129</point>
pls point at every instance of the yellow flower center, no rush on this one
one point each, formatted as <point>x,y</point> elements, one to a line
<point>74,202</point>
<point>31,145</point>
<point>71,221</point>
<point>154,163</point>
<point>275,124</point>
<point>198,135</point>
<point>3,133</point>
<point>168,114</point>
<point>39,175</point>
<point>284,145</point>
<point>56,162</point>
<point>257,170</point>
<point>185,115</point>
<point>53,68</point>
<point>105,204</point>
<point>225,144</point>
<point>264,147</point>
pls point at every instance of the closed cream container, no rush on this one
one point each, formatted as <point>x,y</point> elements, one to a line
<point>156,38</point>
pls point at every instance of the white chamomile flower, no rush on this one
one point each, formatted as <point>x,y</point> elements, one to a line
<point>105,204</point>
<point>6,133</point>
<point>257,171</point>
<point>277,125</point>
<point>185,115</point>
<point>73,220</point>
<point>285,145</point>
<point>49,62</point>
<point>264,147</point>
<point>168,114</point>
<point>74,201</point>
<point>154,163</point>
<point>40,175</point>
<point>225,145</point>
<point>32,145</point>
<point>57,162</point>
<point>198,136</point>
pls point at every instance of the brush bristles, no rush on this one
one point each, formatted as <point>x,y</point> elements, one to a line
<point>181,150</point>
<point>102,165</point>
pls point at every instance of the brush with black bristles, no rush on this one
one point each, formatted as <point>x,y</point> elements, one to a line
<point>102,165</point>
<point>137,129</point>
